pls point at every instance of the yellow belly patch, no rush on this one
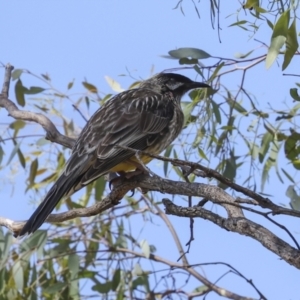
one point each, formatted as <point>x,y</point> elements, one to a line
<point>131,164</point>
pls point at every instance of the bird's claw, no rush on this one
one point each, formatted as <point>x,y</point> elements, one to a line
<point>132,192</point>
<point>114,182</point>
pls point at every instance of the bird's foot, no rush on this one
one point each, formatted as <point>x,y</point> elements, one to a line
<point>138,171</point>
<point>114,179</point>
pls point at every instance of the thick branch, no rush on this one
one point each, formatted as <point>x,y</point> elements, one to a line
<point>52,133</point>
<point>235,222</point>
<point>202,171</point>
<point>242,226</point>
<point>112,199</point>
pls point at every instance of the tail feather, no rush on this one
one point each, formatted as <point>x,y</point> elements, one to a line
<point>61,188</point>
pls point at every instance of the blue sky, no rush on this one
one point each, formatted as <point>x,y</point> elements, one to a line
<point>92,39</point>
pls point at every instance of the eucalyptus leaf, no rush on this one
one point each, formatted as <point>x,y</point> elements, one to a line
<point>291,45</point>
<point>189,53</point>
<point>278,38</point>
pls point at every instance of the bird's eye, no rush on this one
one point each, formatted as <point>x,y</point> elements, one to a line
<point>173,84</point>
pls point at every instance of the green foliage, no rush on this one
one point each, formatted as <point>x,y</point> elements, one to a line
<point>225,129</point>
<point>211,127</point>
<point>90,87</point>
<point>291,45</point>
<point>295,198</point>
<point>193,53</point>
<point>281,18</point>
<point>19,90</point>
<point>278,38</point>
<point>294,94</point>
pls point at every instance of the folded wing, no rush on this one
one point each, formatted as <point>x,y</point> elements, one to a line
<point>135,118</point>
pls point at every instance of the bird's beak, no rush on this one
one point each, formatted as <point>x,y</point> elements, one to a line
<point>196,85</point>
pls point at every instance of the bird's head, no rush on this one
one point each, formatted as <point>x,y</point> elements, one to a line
<point>171,82</point>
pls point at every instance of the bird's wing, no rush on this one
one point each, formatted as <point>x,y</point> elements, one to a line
<point>136,118</point>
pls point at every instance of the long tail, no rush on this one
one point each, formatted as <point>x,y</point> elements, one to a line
<point>61,188</point>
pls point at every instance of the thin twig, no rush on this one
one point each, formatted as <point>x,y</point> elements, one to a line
<point>79,111</point>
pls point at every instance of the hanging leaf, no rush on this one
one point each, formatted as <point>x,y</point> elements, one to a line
<point>17,125</point>
<point>21,158</point>
<point>87,102</point>
<point>5,248</point>
<point>13,153</point>
<point>1,154</point>
<point>278,38</point>
<point>188,61</point>
<point>34,242</point>
<point>250,4</point>
<point>90,87</point>
<point>202,154</point>
<point>189,52</point>
<point>42,141</point>
<point>55,288</point>
<point>294,94</point>
<point>216,111</point>
<point>291,45</point>
<point>18,274</point>
<point>291,147</point>
<point>229,171</point>
<point>33,169</point>
<point>235,105</point>
<point>270,24</point>
<point>73,265</point>
<point>238,23</point>
<point>265,144</point>
<point>216,71</point>
<point>102,288</point>
<point>46,77</point>
<point>270,163</point>
<point>116,279</point>
<point>219,143</point>
<point>33,281</point>
<point>16,74</point>
<point>19,91</point>
<point>137,270</point>
<point>33,90</point>
<point>145,248</point>
<point>115,86</point>
<point>70,85</point>
<point>187,110</point>
<point>295,198</point>
<point>241,55</point>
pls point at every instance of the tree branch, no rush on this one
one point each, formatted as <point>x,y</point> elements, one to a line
<point>202,171</point>
<point>235,222</point>
<point>52,134</point>
<point>240,225</point>
<point>220,291</point>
